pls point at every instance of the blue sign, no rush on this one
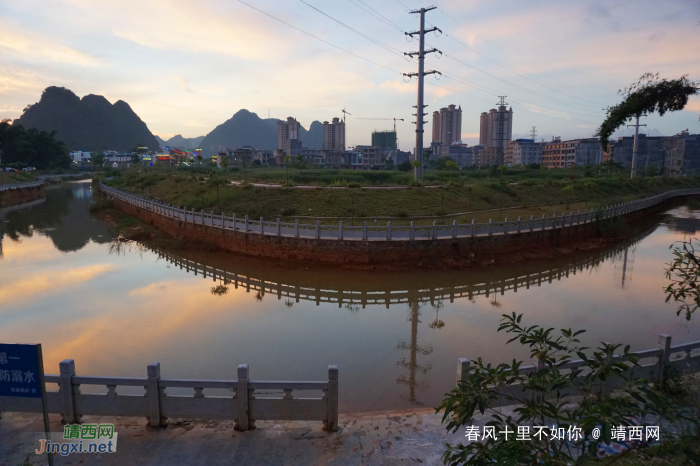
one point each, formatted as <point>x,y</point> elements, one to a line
<point>20,374</point>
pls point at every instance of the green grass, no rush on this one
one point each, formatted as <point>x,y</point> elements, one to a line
<point>533,196</point>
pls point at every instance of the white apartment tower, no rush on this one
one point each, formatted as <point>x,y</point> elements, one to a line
<point>334,135</point>
<point>287,131</point>
<point>447,125</point>
<point>488,126</point>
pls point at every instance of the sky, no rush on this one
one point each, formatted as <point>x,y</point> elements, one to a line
<point>185,67</point>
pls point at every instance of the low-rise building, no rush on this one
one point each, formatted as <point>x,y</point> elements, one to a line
<point>681,154</point>
<point>576,152</point>
<point>649,152</point>
<point>369,156</point>
<point>460,153</point>
<point>523,152</point>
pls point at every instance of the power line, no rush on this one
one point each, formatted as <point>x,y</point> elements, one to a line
<point>384,46</point>
<point>318,38</point>
<point>386,20</point>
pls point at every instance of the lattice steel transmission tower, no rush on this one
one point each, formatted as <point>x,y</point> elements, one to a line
<point>533,132</point>
<point>418,156</point>
<point>501,131</point>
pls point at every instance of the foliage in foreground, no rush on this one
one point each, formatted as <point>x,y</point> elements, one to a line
<point>552,396</point>
<point>684,273</point>
<point>24,148</point>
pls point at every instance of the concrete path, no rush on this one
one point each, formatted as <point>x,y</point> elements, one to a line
<point>411,437</point>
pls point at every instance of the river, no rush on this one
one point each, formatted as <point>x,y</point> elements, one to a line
<point>395,336</point>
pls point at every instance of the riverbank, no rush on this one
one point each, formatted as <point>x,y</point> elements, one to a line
<point>480,200</point>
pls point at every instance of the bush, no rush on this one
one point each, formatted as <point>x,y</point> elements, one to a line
<point>101,204</point>
<point>288,212</point>
<point>415,184</point>
<point>354,185</point>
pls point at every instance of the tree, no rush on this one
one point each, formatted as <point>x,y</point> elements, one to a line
<point>652,171</point>
<point>216,181</point>
<point>32,147</point>
<point>567,190</point>
<point>684,273</point>
<point>404,166</point>
<point>543,396</point>
<point>648,95</point>
<point>452,165</point>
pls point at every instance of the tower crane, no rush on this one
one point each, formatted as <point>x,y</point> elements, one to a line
<point>344,113</point>
<point>395,120</point>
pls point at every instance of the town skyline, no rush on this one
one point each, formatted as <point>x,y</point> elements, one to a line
<point>187,83</point>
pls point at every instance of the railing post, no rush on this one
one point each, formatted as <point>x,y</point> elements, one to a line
<point>454,229</point>
<point>318,229</point>
<point>279,228</point>
<point>519,224</point>
<point>245,224</point>
<point>388,230</point>
<point>68,392</point>
<point>212,218</point>
<point>473,228</point>
<point>434,230</point>
<point>340,229</point>
<point>490,226</point>
<point>234,221</point>
<point>262,226</point>
<point>243,399</point>
<point>412,233</point>
<point>153,392</point>
<point>296,227</point>
<point>332,397</point>
<point>223,220</point>
<point>462,369</point>
<point>364,231</point>
<point>665,343</point>
<point>505,226</point>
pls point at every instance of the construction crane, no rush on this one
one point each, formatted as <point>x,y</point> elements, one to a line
<point>344,112</point>
<point>395,120</point>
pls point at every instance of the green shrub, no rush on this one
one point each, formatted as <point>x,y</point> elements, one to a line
<point>415,184</point>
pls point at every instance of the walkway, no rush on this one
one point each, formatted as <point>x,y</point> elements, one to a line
<point>394,438</point>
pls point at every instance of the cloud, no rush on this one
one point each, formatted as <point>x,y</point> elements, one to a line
<point>398,85</point>
<point>42,49</point>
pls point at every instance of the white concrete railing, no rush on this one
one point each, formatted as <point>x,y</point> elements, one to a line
<point>10,187</point>
<point>657,372</point>
<point>390,232</point>
<point>243,405</point>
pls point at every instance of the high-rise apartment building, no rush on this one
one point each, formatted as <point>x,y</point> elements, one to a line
<point>288,135</point>
<point>489,127</point>
<point>334,135</point>
<point>447,125</point>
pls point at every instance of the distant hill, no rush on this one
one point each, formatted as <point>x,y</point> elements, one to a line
<point>90,123</point>
<point>247,128</point>
<point>179,142</point>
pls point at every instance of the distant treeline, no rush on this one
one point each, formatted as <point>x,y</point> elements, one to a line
<point>32,148</point>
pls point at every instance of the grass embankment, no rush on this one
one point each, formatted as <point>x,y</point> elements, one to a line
<point>20,177</point>
<point>530,196</point>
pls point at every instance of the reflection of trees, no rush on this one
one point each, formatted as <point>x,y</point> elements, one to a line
<point>437,323</point>
<point>412,364</point>
<point>219,290</point>
<point>64,217</point>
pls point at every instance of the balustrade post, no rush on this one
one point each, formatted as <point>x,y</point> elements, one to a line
<point>153,394</point>
<point>340,229</point>
<point>434,230</point>
<point>234,221</point>
<point>364,231</point>
<point>490,226</point>
<point>388,230</point>
<point>505,226</point>
<point>332,398</point>
<point>223,220</point>
<point>68,392</point>
<point>245,224</point>
<point>212,218</point>
<point>279,228</point>
<point>412,233</point>
<point>473,232</point>
<point>665,343</point>
<point>296,227</point>
<point>532,221</point>
<point>262,226</point>
<point>318,229</point>
<point>243,398</point>
<point>462,369</point>
<point>454,228</point>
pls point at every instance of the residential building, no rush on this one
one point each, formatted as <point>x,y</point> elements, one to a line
<point>80,156</point>
<point>334,135</point>
<point>523,152</point>
<point>370,156</point>
<point>447,125</point>
<point>576,152</point>
<point>266,157</point>
<point>681,154</point>
<point>385,139</point>
<point>399,156</point>
<point>460,153</point>
<point>649,152</point>
<point>489,127</point>
<point>288,136</point>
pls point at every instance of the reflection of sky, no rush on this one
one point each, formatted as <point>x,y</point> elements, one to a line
<point>114,314</point>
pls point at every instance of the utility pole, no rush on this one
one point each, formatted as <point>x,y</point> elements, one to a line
<point>418,156</point>
<point>501,131</point>
<point>634,147</point>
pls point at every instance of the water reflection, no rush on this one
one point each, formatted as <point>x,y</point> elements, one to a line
<point>115,307</point>
<point>62,216</point>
